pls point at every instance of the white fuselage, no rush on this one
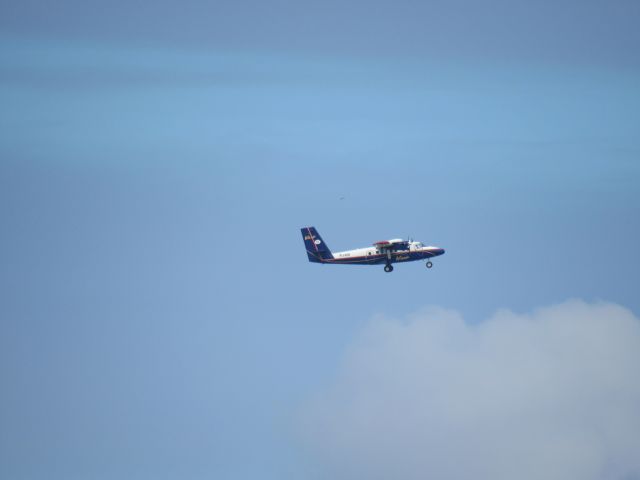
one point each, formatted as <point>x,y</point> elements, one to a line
<point>414,247</point>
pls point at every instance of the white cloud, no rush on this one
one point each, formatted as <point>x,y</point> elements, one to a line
<point>550,395</point>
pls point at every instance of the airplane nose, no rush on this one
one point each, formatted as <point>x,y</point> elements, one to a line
<point>439,251</point>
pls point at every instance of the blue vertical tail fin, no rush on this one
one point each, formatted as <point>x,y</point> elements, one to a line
<point>317,250</point>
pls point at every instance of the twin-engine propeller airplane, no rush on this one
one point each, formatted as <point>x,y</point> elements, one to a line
<point>384,252</point>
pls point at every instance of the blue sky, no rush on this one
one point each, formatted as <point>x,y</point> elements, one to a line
<point>159,317</point>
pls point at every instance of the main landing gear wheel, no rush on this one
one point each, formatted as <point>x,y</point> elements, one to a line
<point>388,268</point>
<point>429,264</point>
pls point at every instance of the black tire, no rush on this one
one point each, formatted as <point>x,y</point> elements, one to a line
<point>429,264</point>
<point>388,268</point>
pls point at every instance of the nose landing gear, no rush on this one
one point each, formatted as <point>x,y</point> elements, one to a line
<point>429,264</point>
<point>388,268</point>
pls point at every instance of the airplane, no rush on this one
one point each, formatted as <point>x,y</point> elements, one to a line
<point>384,252</point>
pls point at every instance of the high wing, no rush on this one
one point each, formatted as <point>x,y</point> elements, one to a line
<point>392,245</point>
